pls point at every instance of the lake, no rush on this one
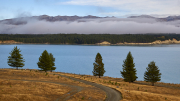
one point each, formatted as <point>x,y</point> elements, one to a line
<point>80,58</point>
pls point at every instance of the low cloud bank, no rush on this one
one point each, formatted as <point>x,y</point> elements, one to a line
<point>93,26</point>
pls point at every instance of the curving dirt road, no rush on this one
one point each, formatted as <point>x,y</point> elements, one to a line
<point>112,94</point>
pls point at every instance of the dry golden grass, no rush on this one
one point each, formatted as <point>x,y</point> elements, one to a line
<point>88,95</point>
<point>32,85</point>
<point>42,87</point>
<point>136,92</point>
<point>12,90</point>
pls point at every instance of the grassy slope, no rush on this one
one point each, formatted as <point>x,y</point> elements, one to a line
<point>40,91</point>
<point>42,87</point>
<point>137,92</point>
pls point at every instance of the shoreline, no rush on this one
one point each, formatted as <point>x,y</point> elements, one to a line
<point>104,43</point>
<point>137,81</point>
<point>128,44</point>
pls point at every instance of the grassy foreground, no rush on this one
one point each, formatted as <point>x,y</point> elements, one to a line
<point>33,85</point>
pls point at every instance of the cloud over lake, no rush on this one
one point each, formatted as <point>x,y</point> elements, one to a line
<point>93,26</point>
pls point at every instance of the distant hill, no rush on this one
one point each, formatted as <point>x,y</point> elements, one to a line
<point>169,18</point>
<point>23,20</point>
<point>141,16</point>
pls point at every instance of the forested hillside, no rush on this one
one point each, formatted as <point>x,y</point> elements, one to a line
<point>87,38</point>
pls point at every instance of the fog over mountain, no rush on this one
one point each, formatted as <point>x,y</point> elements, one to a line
<point>90,25</point>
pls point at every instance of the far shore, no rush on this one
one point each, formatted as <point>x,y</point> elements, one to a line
<point>129,44</point>
<point>104,43</point>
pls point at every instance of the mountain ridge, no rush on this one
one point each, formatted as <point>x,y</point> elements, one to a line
<point>169,18</point>
<point>23,20</point>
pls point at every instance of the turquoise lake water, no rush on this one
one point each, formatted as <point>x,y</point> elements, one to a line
<point>80,58</point>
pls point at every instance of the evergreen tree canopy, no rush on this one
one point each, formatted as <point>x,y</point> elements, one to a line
<point>88,38</point>
<point>98,66</point>
<point>129,72</point>
<point>52,61</point>
<point>46,62</point>
<point>152,74</point>
<point>15,59</point>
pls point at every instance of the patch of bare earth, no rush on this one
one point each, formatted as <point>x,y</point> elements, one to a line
<point>139,91</point>
<point>33,85</point>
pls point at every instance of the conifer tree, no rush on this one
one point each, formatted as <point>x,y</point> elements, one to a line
<point>152,74</point>
<point>129,72</point>
<point>52,61</point>
<point>15,59</point>
<point>45,62</point>
<point>98,66</point>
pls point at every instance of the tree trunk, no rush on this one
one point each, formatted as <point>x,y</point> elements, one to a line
<point>17,68</point>
<point>152,83</point>
<point>99,73</point>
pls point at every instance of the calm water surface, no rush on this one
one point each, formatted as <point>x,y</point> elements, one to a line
<point>79,58</point>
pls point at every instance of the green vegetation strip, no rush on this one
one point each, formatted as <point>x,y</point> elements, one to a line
<point>87,38</point>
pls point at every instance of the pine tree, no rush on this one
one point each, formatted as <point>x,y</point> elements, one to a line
<point>52,61</point>
<point>45,62</point>
<point>152,74</point>
<point>15,59</point>
<point>98,66</point>
<point>129,72</point>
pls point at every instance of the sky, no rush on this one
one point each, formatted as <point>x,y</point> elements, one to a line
<point>102,8</point>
